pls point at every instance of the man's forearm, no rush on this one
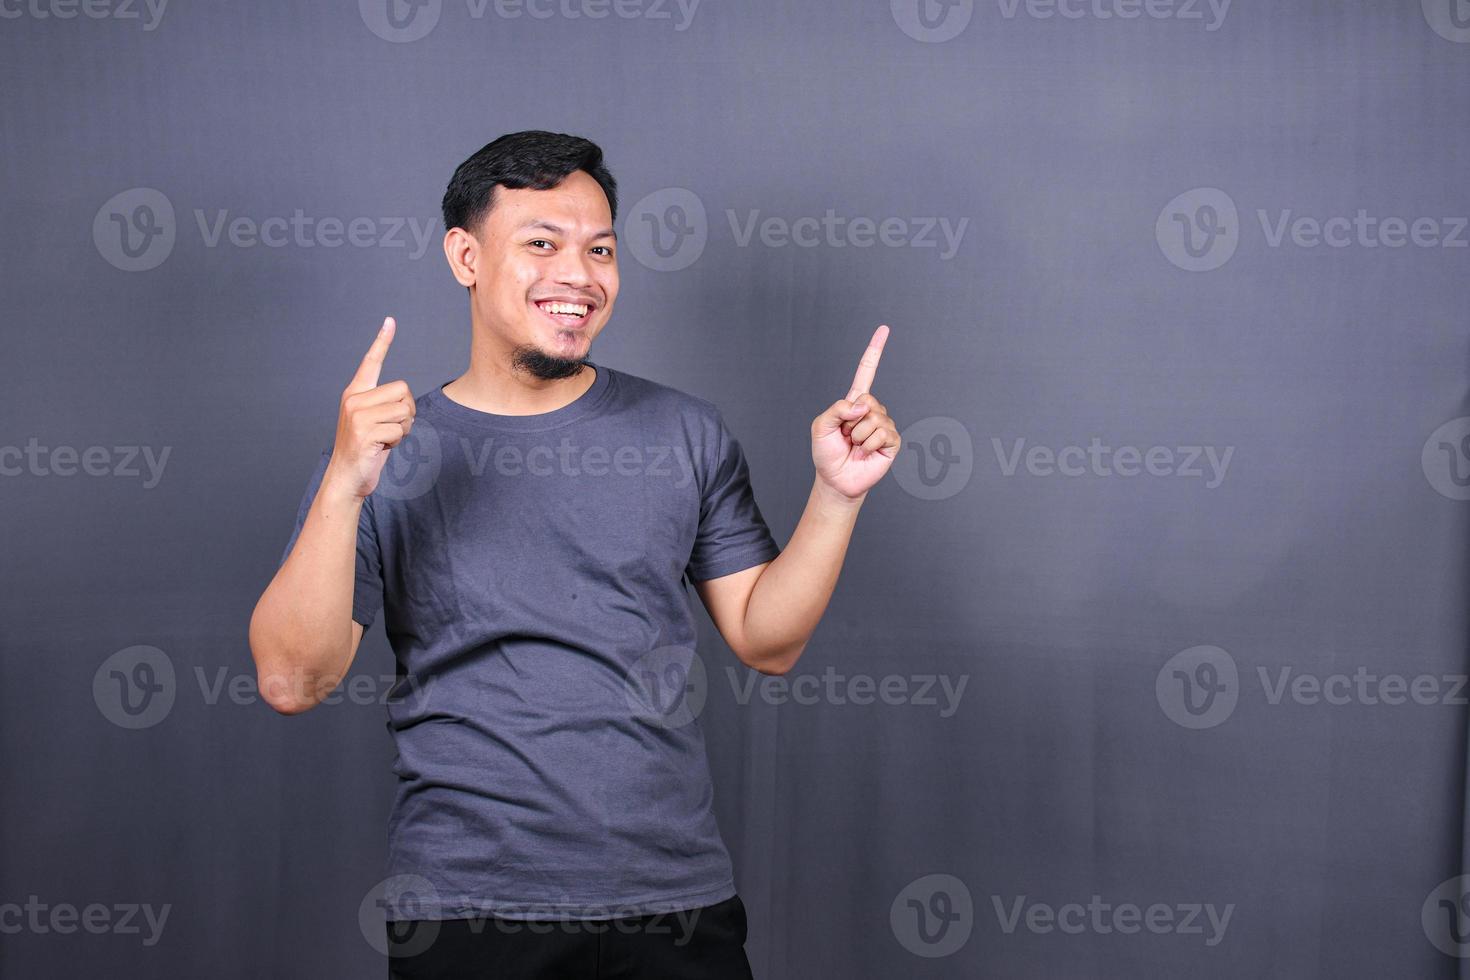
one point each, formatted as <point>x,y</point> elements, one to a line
<point>301,631</point>
<point>789,598</point>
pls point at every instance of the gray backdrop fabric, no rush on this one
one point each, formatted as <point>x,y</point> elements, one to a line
<point>1148,658</point>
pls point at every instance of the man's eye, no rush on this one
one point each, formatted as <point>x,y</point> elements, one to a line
<point>604,248</point>
<point>540,241</point>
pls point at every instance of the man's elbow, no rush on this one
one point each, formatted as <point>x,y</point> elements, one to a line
<point>280,687</point>
<point>774,662</point>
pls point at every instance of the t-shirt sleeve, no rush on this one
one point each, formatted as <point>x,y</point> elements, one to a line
<point>367,592</point>
<point>732,533</point>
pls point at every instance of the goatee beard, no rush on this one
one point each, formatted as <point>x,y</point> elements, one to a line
<point>547,367</point>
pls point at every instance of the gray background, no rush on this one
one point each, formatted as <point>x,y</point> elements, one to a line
<point>1334,544</point>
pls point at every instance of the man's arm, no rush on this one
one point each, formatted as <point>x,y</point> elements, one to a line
<point>768,612</point>
<point>299,633</point>
<point>302,635</point>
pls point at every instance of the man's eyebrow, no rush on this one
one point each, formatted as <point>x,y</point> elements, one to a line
<point>559,230</point>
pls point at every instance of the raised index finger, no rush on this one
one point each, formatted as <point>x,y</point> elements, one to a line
<point>868,366</point>
<point>366,378</point>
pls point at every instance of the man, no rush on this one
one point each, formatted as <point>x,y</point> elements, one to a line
<point>530,556</point>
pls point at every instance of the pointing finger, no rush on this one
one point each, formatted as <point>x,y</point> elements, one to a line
<point>366,377</point>
<point>868,366</point>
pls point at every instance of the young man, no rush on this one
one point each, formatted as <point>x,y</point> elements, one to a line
<point>529,547</point>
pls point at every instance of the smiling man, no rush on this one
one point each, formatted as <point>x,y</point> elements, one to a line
<point>530,542</point>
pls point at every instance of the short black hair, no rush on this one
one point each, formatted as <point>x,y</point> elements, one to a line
<point>533,158</point>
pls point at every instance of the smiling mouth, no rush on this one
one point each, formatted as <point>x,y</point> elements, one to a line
<point>566,314</point>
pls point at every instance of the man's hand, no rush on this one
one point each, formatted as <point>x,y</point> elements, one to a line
<point>854,441</point>
<point>372,420</point>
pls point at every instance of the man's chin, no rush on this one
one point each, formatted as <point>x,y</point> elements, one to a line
<point>545,365</point>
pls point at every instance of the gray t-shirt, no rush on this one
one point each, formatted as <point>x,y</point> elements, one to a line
<point>532,571</point>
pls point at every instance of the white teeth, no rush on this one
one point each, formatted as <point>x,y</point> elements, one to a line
<point>572,309</point>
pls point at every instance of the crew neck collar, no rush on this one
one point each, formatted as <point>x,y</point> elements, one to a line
<point>447,407</point>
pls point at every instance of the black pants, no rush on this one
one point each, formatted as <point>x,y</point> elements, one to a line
<point>698,944</point>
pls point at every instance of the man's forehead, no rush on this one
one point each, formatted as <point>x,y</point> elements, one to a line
<point>523,208</point>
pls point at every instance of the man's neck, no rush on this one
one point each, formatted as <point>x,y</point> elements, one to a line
<point>492,386</point>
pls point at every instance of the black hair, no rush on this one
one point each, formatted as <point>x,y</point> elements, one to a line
<point>533,158</point>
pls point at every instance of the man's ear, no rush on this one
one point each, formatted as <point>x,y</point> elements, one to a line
<point>463,254</point>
